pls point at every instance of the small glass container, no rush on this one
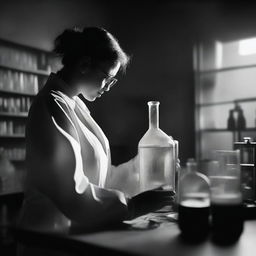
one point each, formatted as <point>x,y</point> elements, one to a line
<point>193,203</point>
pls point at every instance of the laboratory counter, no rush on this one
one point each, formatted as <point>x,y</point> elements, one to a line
<point>149,235</point>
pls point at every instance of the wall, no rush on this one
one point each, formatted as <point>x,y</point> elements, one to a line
<point>160,35</point>
<point>36,23</point>
<point>156,71</point>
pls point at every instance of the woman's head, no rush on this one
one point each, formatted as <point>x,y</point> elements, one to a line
<point>93,57</point>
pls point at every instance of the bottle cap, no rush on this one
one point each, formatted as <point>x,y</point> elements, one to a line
<point>153,103</point>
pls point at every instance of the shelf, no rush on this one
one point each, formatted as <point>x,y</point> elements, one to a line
<point>17,160</point>
<point>23,47</point>
<point>33,72</point>
<point>198,105</point>
<point>225,130</point>
<point>10,193</point>
<point>214,130</point>
<point>28,68</point>
<point>9,114</point>
<point>213,71</point>
<point>12,136</point>
<point>17,93</point>
<point>247,165</point>
<point>226,102</point>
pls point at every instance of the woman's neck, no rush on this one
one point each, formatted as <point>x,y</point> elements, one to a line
<point>66,75</point>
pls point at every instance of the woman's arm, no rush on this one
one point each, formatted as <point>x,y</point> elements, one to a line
<point>125,177</point>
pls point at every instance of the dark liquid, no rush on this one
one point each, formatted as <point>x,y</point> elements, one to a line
<point>227,222</point>
<point>194,222</point>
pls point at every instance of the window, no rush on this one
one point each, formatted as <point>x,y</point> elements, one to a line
<point>225,81</point>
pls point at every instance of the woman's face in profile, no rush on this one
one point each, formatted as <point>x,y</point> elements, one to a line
<point>98,80</point>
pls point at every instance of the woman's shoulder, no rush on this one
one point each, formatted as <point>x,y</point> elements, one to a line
<point>48,103</point>
<point>50,110</point>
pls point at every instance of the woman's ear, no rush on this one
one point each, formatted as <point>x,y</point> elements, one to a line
<point>84,65</point>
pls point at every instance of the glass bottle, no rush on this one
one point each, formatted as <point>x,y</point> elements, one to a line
<point>156,155</point>
<point>193,203</point>
<point>231,121</point>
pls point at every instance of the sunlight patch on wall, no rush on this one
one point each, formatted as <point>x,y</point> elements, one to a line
<point>247,46</point>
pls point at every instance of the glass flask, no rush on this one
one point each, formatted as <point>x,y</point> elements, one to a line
<point>193,203</point>
<point>156,155</point>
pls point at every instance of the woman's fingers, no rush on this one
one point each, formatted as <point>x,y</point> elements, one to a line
<point>162,204</point>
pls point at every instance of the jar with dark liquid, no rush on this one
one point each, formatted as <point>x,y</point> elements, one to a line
<point>226,197</point>
<point>194,204</point>
<point>227,220</point>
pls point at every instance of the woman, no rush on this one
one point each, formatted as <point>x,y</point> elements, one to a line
<point>70,179</point>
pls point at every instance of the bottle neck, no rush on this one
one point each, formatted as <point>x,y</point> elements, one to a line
<point>192,168</point>
<point>153,114</point>
<point>191,165</point>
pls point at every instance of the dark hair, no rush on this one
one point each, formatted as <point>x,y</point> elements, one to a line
<point>96,43</point>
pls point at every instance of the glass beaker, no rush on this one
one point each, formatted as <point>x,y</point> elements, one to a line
<point>226,196</point>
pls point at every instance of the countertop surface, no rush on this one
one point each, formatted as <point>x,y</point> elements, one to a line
<point>149,235</point>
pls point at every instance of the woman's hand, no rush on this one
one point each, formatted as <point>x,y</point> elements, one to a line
<point>149,201</point>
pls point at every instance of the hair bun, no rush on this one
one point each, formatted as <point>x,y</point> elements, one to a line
<point>67,41</point>
<point>94,42</point>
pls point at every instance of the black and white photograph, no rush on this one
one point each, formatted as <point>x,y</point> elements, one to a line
<point>127,127</point>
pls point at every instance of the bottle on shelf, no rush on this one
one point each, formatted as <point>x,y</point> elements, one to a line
<point>5,104</point>
<point>23,104</point>
<point>16,82</point>
<point>1,104</point>
<point>1,80</point>
<point>42,64</point>
<point>28,104</point>
<point>231,121</point>
<point>3,127</point>
<point>18,105</point>
<point>194,203</point>
<point>11,105</point>
<point>10,128</point>
<point>241,122</point>
<point>5,81</point>
<point>35,85</point>
<point>255,118</point>
<point>10,85</point>
<point>156,154</point>
<point>7,173</point>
